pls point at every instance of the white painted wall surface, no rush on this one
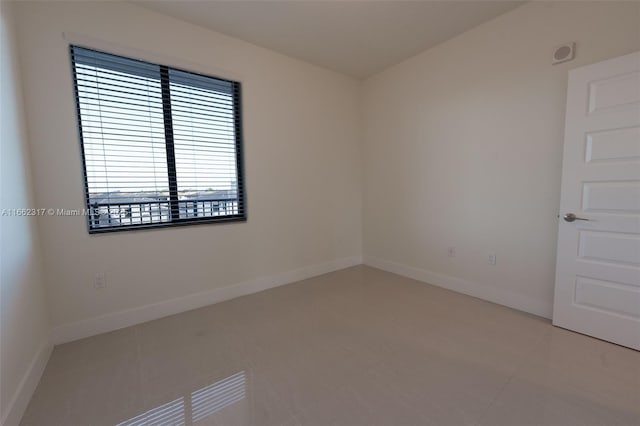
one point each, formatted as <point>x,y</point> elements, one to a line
<point>463,148</point>
<point>459,147</point>
<point>302,161</point>
<point>24,320</point>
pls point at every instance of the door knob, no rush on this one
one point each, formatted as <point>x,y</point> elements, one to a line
<point>570,217</point>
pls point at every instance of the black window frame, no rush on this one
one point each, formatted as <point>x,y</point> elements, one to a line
<point>173,200</point>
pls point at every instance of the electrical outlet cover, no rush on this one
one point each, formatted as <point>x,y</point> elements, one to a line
<point>99,280</point>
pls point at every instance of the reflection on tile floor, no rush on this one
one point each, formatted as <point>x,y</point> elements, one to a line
<point>354,347</point>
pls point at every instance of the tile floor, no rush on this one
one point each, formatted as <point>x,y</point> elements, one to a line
<point>354,347</point>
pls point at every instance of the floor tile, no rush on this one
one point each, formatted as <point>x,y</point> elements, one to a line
<point>354,347</point>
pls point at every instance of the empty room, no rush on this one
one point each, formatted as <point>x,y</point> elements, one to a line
<point>352,213</point>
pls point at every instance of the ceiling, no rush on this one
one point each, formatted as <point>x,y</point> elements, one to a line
<point>358,38</point>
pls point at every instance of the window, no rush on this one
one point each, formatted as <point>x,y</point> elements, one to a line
<point>160,146</point>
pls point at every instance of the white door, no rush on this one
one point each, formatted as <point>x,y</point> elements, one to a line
<point>598,264</point>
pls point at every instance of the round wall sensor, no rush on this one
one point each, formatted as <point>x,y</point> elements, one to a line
<point>564,53</point>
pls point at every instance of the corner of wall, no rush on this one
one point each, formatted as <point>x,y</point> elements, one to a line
<point>25,335</point>
<point>27,386</point>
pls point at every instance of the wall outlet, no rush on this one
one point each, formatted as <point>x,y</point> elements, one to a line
<point>491,258</point>
<point>451,252</point>
<point>99,280</point>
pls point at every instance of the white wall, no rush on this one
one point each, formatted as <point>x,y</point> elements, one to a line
<point>302,164</point>
<point>463,148</point>
<point>24,322</point>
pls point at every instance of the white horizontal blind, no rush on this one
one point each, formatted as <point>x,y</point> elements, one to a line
<point>160,145</point>
<point>204,142</point>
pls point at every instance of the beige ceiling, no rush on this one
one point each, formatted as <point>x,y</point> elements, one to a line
<point>359,38</point>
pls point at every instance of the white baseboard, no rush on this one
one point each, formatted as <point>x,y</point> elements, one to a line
<point>20,399</point>
<point>114,321</point>
<point>475,289</point>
